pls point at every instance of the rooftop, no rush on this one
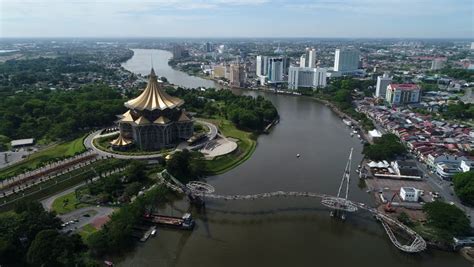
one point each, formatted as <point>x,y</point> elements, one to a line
<point>154,97</point>
<point>404,86</point>
<point>409,189</point>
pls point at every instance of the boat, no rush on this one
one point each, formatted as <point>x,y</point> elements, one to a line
<point>297,155</point>
<point>347,122</point>
<point>352,134</point>
<point>354,131</point>
<point>148,233</point>
<point>358,136</point>
<point>343,216</point>
<point>185,222</point>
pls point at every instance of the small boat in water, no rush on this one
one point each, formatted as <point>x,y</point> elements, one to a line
<point>347,122</point>
<point>153,232</point>
<point>352,134</point>
<point>298,155</point>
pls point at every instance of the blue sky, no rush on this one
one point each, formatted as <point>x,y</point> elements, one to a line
<point>237,18</point>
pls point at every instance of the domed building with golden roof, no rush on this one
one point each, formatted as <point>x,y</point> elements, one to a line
<point>155,120</point>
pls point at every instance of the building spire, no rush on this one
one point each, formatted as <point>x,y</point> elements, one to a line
<point>152,73</point>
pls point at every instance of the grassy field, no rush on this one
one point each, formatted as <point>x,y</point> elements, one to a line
<point>35,160</point>
<point>86,231</point>
<point>67,203</point>
<point>247,145</point>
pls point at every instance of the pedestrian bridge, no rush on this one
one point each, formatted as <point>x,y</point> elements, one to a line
<point>203,191</point>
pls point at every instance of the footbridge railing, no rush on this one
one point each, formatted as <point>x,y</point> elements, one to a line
<point>203,190</point>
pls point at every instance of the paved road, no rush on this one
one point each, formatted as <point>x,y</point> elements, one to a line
<point>89,144</point>
<point>446,191</point>
<point>443,187</point>
<point>48,202</point>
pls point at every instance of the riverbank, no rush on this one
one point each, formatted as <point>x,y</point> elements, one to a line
<point>246,146</point>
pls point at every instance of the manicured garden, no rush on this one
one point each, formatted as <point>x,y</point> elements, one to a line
<point>246,142</point>
<point>67,203</point>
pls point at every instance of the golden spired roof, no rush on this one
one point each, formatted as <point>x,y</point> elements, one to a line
<point>142,121</point>
<point>161,120</point>
<point>183,117</point>
<point>154,97</point>
<point>120,141</point>
<point>127,117</point>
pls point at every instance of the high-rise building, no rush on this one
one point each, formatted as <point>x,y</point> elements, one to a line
<point>219,71</point>
<point>346,60</point>
<point>237,75</point>
<point>303,61</point>
<point>308,59</point>
<point>208,47</point>
<point>261,65</point>
<point>286,64</point>
<point>382,83</point>
<point>438,63</point>
<point>179,52</point>
<point>275,70</point>
<point>299,77</point>
<point>405,93</point>
<point>311,56</point>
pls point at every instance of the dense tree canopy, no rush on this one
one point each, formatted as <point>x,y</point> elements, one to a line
<point>463,74</point>
<point>448,220</point>
<point>385,148</point>
<point>30,235</point>
<point>117,235</point>
<point>464,187</point>
<point>245,111</point>
<point>459,111</point>
<point>186,165</point>
<point>58,114</point>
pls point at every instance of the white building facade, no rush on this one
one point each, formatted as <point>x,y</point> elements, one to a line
<point>398,94</point>
<point>409,194</point>
<point>346,60</point>
<point>299,77</point>
<point>382,83</point>
<point>275,70</point>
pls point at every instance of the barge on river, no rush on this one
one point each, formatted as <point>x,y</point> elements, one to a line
<point>185,222</point>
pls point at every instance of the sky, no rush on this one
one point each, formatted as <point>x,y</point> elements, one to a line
<point>238,18</point>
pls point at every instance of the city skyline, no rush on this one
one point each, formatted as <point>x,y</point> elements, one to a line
<point>223,19</point>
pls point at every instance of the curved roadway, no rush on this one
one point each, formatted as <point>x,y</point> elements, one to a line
<point>89,144</point>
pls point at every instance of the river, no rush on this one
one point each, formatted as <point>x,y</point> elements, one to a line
<point>279,231</point>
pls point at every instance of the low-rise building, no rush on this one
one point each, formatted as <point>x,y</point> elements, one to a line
<point>466,165</point>
<point>22,142</point>
<point>409,194</point>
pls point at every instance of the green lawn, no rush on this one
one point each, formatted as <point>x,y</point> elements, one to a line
<point>246,143</point>
<point>86,231</point>
<point>35,160</point>
<point>67,203</point>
